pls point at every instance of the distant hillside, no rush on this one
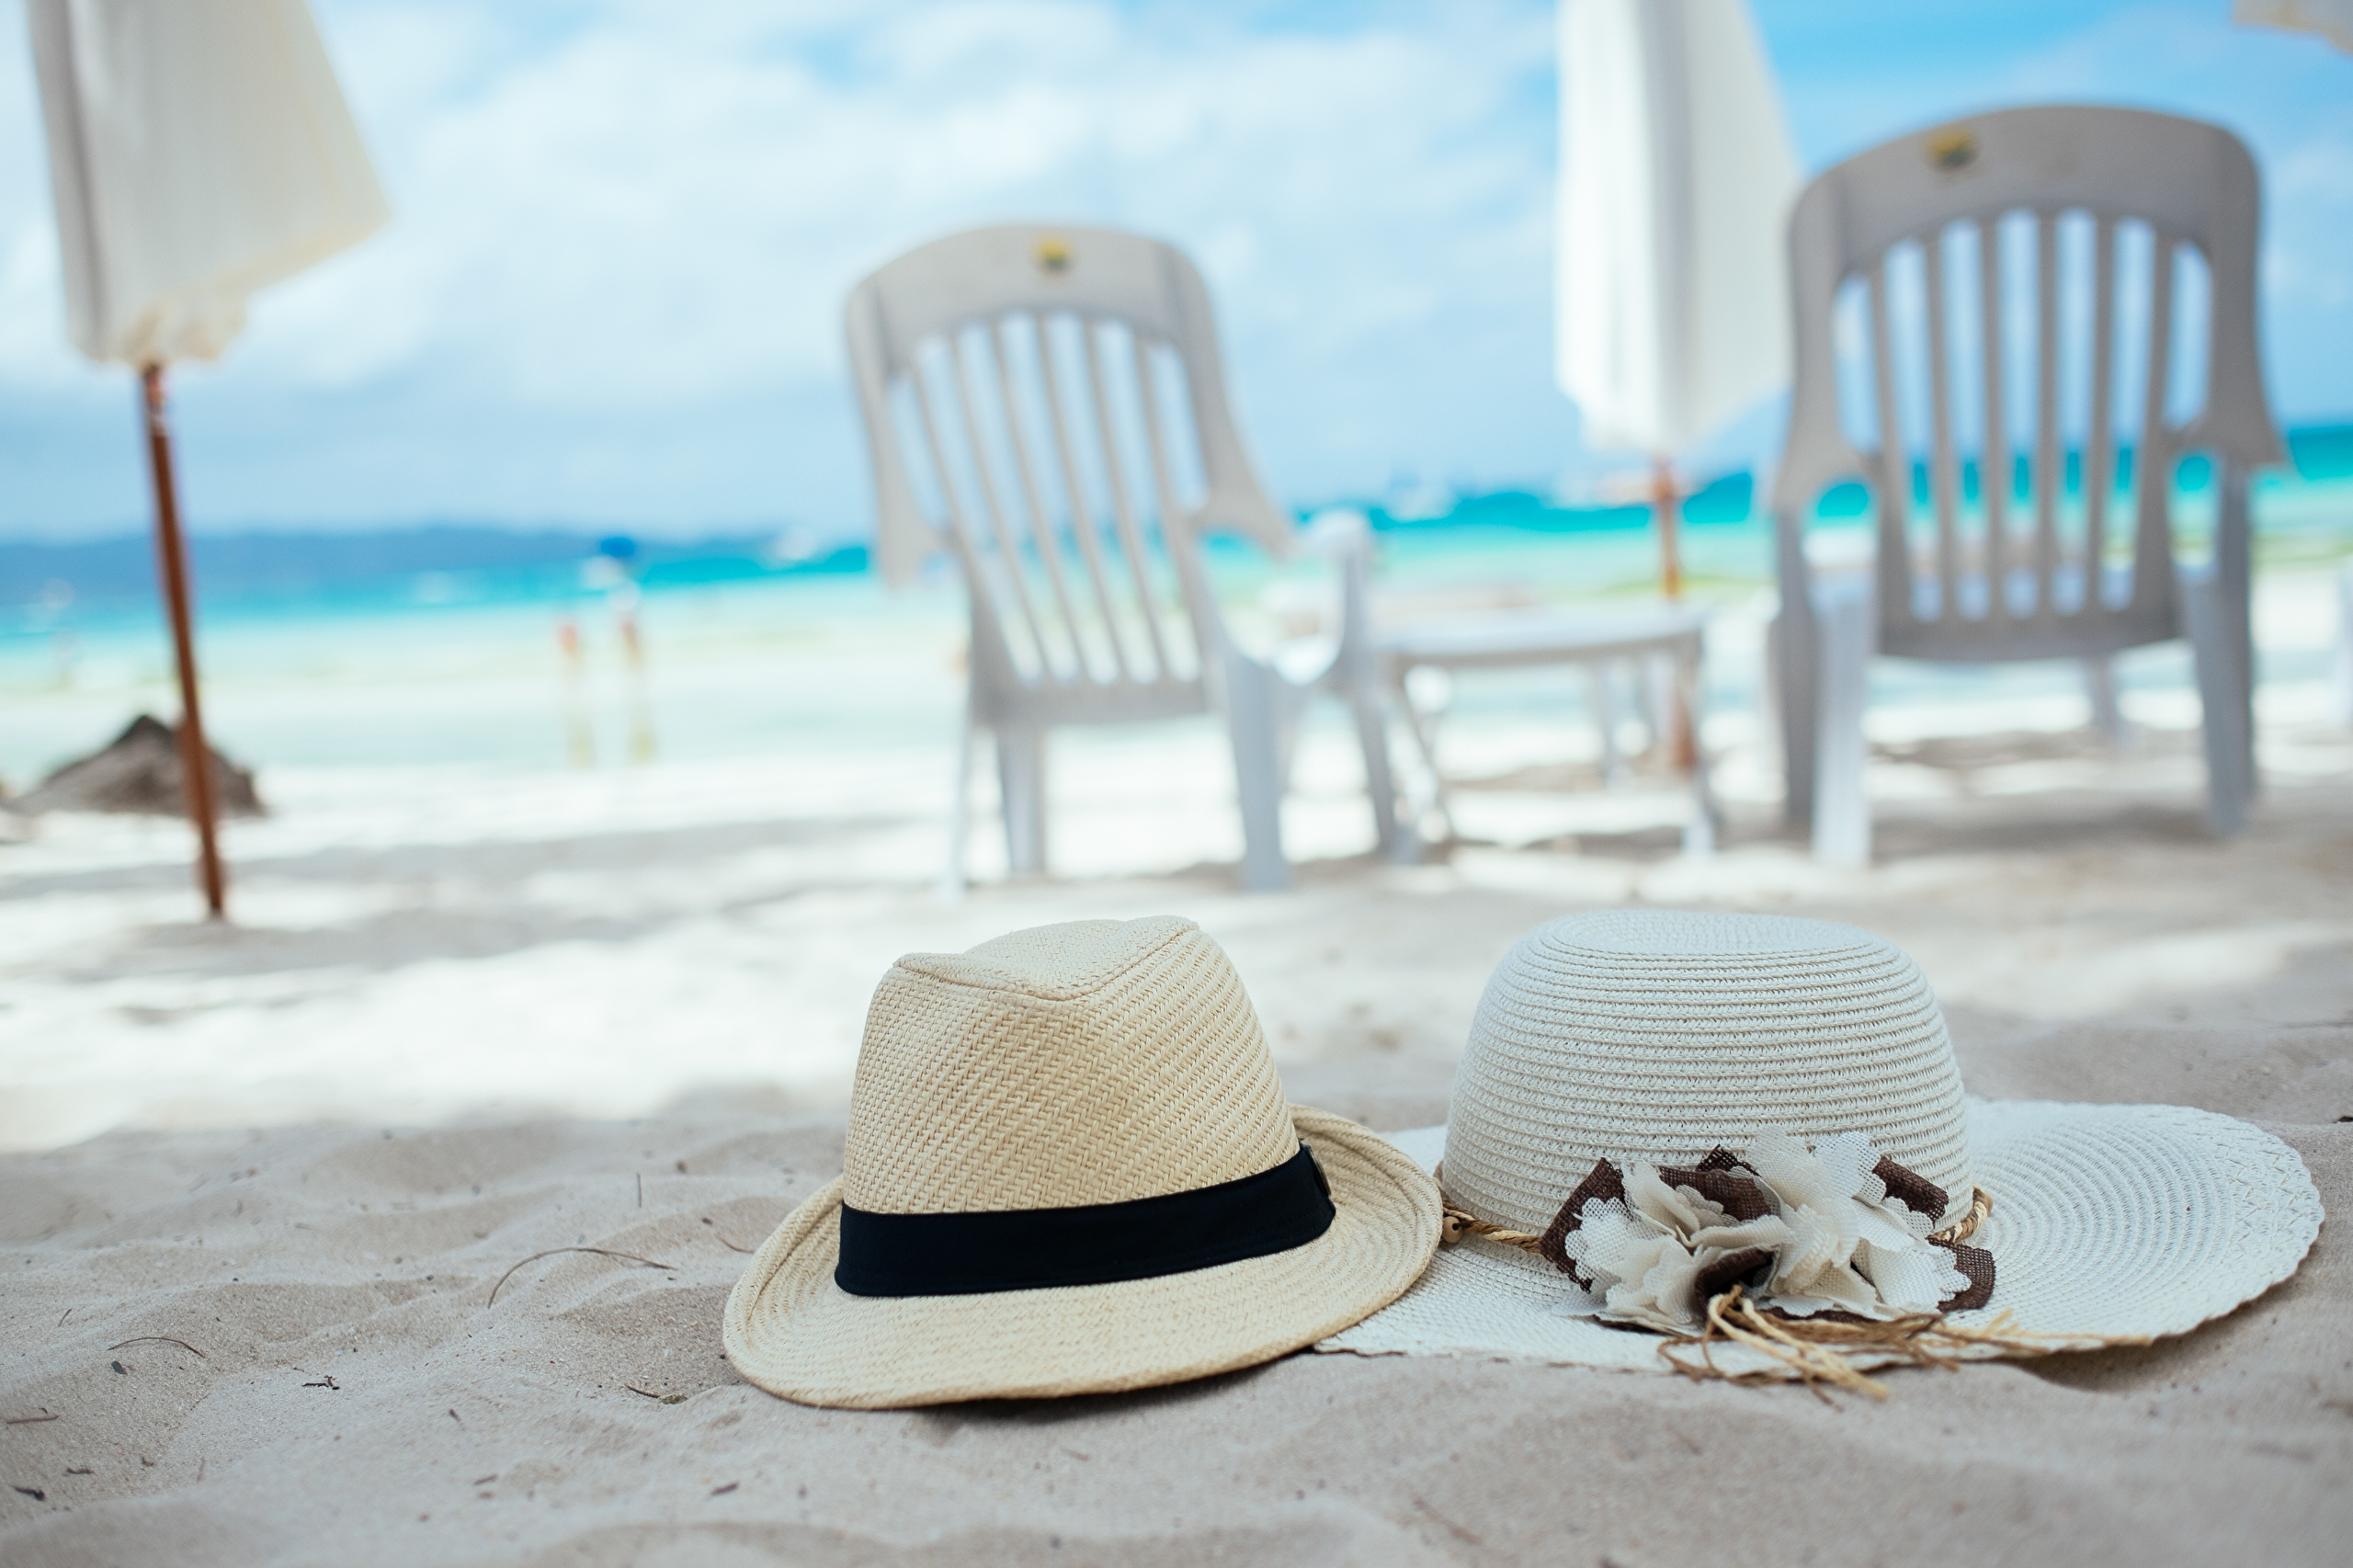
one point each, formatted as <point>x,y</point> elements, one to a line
<point>261,564</point>
<point>412,563</point>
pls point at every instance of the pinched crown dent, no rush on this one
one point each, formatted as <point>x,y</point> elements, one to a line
<point>1062,1066</point>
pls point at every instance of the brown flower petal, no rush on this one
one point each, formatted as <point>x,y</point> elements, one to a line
<point>1977,1264</point>
<point>1602,1181</point>
<point>1742,1198</point>
<point>1732,1268</point>
<point>1915,1192</point>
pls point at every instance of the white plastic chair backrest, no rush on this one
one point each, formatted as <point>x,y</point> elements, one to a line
<point>1028,370</point>
<point>2191,185</point>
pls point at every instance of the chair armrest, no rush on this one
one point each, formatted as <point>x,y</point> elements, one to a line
<point>1337,532</point>
<point>1344,536</point>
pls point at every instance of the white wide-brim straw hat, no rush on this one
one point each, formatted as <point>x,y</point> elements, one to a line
<point>1070,1168</point>
<point>1653,1036</point>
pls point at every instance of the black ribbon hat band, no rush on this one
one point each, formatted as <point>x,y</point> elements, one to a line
<point>1097,1243</point>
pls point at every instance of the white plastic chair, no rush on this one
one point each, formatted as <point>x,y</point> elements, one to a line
<point>1971,587</point>
<point>1062,391</point>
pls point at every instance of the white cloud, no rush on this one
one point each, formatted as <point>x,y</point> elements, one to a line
<point>640,212</point>
<point>652,211</point>
<point>638,217</point>
<point>624,231</point>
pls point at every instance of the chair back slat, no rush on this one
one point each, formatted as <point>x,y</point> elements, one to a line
<point>1980,575</point>
<point>1053,479</point>
<point>2153,577</point>
<point>2049,473</point>
<point>2012,190</point>
<point>988,589</point>
<point>1163,476</point>
<point>1994,444</point>
<point>1041,527</point>
<point>1944,468</point>
<point>1061,283</point>
<point>1008,562</point>
<point>1083,521</point>
<point>2099,437</point>
<point>1037,477</point>
<point>1123,514</point>
<point>1889,469</point>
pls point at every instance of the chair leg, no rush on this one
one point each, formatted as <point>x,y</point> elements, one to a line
<point>959,813</point>
<point>2234,566</point>
<point>1605,718</point>
<point>1699,835</point>
<point>1842,811</point>
<point>2225,695</point>
<point>1290,709</point>
<point>1355,672</point>
<point>1254,725</point>
<point>1679,719</point>
<point>2099,685</point>
<point>2345,645</point>
<point>1021,777</point>
<point>1646,703</point>
<point>1396,839</point>
<point>1423,726</point>
<point>1792,656</point>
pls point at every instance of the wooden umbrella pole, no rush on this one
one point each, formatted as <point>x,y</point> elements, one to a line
<point>1663,511</point>
<point>172,551</point>
<point>1683,744</point>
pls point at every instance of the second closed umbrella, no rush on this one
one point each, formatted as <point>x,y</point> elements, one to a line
<point>1676,176</point>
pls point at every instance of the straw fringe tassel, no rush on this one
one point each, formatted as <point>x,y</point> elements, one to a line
<point>1815,1349</point>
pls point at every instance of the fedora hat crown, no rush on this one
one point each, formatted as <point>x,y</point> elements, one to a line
<point>1070,1168</point>
<point>1658,1036</point>
<point>1099,1061</point>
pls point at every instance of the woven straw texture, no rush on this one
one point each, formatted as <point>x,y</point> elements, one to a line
<point>2110,1222</point>
<point>1091,1063</point>
<point>1094,1063</point>
<point>1657,1035</point>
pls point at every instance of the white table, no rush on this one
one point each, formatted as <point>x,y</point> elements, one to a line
<point>1666,638</point>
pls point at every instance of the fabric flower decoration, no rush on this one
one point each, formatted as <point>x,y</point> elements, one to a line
<point>1839,1228</point>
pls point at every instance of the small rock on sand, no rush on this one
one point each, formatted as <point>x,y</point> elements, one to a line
<point>139,771</point>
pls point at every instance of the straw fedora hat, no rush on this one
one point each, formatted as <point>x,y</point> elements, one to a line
<point>1659,1115</point>
<point>1070,1168</point>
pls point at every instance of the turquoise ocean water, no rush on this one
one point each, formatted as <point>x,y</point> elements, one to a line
<point>749,655</point>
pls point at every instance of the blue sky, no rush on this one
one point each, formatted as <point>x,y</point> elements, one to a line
<point>610,296</point>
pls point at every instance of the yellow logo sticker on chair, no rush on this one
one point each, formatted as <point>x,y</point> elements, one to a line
<point>1952,151</point>
<point>1053,256</point>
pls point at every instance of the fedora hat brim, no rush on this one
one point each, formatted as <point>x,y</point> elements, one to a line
<point>2112,1224</point>
<point>793,1331</point>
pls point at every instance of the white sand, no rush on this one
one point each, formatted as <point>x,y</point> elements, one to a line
<point>436,977</point>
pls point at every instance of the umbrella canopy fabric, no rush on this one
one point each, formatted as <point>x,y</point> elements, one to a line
<point>198,150</point>
<point>1676,178</point>
<point>2333,20</point>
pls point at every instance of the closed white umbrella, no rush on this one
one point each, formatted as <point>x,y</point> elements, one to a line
<point>1676,178</point>
<point>199,150</point>
<point>2333,20</point>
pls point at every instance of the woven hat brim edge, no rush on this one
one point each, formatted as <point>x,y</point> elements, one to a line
<point>889,1353</point>
<point>1481,1298</point>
